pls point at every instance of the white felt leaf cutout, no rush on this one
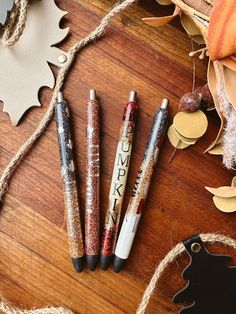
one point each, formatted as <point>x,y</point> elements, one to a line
<point>5,8</point>
<point>24,67</point>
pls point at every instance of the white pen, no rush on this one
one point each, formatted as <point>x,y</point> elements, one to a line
<point>141,187</point>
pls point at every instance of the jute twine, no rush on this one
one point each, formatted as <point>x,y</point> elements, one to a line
<point>10,37</point>
<point>8,309</point>
<point>16,24</point>
<point>170,257</point>
<point>93,36</point>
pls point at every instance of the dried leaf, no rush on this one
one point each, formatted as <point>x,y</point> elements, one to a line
<point>229,62</point>
<point>233,183</point>
<point>216,150</point>
<point>230,79</point>
<point>191,125</point>
<point>160,21</point>
<point>188,24</point>
<point>224,191</point>
<point>164,2</point>
<point>174,140</point>
<point>226,205</point>
<point>186,140</point>
<point>200,6</point>
<point>191,28</point>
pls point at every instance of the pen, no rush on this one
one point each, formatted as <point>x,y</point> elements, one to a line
<point>65,143</point>
<point>92,182</point>
<point>118,183</point>
<point>140,191</point>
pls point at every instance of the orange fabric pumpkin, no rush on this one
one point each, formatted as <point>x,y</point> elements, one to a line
<point>222,30</point>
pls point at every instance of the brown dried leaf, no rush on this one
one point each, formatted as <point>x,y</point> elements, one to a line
<point>160,21</point>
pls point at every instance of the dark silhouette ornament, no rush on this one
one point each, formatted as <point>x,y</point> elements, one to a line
<point>5,8</point>
<point>211,287</point>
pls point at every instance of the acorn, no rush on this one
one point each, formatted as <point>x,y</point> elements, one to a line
<point>190,102</point>
<point>207,98</point>
<point>201,98</point>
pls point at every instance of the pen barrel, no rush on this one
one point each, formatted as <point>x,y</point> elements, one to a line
<point>92,179</point>
<point>75,237</point>
<point>74,231</point>
<point>119,179</point>
<point>142,183</point>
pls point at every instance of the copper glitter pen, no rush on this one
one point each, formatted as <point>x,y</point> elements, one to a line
<point>65,143</point>
<point>92,182</point>
<point>118,184</point>
<point>141,187</point>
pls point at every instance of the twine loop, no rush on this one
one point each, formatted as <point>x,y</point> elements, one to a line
<point>167,260</point>
<point>16,24</point>
<point>8,309</point>
<point>170,257</point>
<point>73,51</point>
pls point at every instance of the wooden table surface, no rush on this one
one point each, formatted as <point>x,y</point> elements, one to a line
<point>35,267</point>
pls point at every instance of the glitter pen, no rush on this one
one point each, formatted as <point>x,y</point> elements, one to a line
<point>141,187</point>
<point>92,182</point>
<point>65,143</point>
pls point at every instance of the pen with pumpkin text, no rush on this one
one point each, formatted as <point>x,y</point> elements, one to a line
<point>65,143</point>
<point>118,184</point>
<point>141,187</point>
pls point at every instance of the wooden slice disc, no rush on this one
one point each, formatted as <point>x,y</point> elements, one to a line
<point>191,125</point>
<point>174,140</point>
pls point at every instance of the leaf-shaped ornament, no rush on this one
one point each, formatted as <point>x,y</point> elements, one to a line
<point>5,8</point>
<point>24,66</point>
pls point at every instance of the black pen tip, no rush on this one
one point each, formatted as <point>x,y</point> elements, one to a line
<point>118,263</point>
<point>105,261</point>
<point>91,261</point>
<point>78,263</point>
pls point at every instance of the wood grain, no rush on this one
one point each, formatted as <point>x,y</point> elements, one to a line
<point>35,268</point>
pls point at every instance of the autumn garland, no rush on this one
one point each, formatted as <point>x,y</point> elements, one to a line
<point>212,23</point>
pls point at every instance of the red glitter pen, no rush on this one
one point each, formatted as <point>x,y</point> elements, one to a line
<point>92,182</point>
<point>118,184</point>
